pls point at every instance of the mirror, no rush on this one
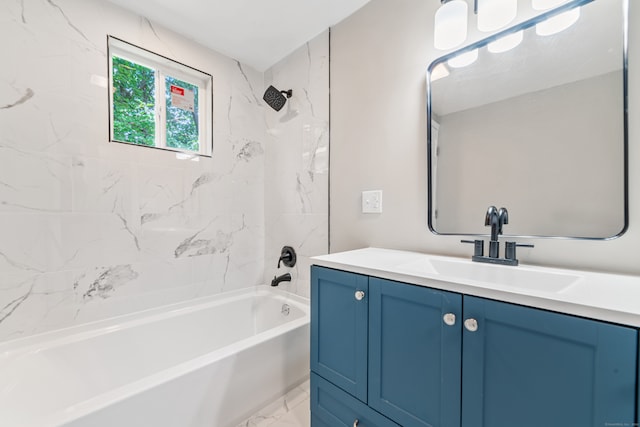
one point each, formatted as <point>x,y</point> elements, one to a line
<point>540,129</point>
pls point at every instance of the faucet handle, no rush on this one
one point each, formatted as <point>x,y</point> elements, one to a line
<point>287,256</point>
<point>510,249</point>
<point>478,246</point>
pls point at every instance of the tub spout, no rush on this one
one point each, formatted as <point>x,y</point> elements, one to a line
<point>284,278</point>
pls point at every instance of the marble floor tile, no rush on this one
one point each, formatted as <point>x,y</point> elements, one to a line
<point>299,416</point>
<point>291,410</point>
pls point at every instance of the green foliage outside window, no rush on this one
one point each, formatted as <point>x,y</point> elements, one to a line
<point>133,102</point>
<point>134,108</point>
<point>182,125</point>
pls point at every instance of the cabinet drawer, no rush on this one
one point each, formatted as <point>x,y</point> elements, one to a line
<point>332,407</point>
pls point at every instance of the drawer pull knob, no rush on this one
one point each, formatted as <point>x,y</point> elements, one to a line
<point>355,423</point>
<point>471,324</point>
<point>359,297</point>
<point>449,319</point>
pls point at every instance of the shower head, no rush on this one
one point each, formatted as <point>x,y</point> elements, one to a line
<point>275,97</point>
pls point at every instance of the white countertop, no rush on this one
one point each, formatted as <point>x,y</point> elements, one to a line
<point>610,297</point>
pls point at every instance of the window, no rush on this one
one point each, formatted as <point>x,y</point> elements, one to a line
<point>157,102</point>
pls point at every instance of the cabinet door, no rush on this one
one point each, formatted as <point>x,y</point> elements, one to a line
<point>339,329</point>
<point>332,407</point>
<point>531,368</point>
<point>414,356</point>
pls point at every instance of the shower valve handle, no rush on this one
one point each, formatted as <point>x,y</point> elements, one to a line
<point>287,256</point>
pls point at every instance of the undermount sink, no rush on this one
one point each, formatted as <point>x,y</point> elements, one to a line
<point>507,276</point>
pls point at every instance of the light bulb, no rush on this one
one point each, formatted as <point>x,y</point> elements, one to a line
<point>558,23</point>
<point>496,14</point>
<point>506,43</point>
<point>450,28</point>
<point>464,59</point>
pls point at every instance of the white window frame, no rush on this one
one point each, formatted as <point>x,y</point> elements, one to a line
<point>164,66</point>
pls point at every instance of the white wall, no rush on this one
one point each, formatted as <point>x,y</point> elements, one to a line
<point>378,141</point>
<point>297,162</point>
<point>92,229</point>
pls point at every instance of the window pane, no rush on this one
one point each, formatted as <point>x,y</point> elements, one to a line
<point>182,115</point>
<point>133,102</point>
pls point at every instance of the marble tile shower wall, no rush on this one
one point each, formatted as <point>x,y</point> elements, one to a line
<point>297,162</point>
<point>91,229</point>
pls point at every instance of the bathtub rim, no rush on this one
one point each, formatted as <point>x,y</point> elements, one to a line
<point>17,346</point>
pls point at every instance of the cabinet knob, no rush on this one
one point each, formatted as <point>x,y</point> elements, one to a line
<point>471,324</point>
<point>355,423</point>
<point>359,297</point>
<point>449,319</point>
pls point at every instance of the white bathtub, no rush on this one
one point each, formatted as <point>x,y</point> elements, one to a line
<point>209,362</point>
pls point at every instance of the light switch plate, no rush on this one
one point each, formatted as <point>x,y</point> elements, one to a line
<point>372,201</point>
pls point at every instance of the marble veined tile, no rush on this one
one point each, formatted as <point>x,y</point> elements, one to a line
<point>300,416</point>
<point>32,303</point>
<point>91,228</point>
<point>29,243</point>
<point>290,410</point>
<point>32,181</point>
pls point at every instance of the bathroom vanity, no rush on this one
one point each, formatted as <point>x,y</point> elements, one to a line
<point>408,339</point>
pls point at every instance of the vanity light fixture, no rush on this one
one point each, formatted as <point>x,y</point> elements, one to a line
<point>464,59</point>
<point>495,14</point>
<point>450,26</point>
<point>506,43</point>
<point>558,23</point>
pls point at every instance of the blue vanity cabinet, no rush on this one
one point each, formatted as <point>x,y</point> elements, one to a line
<point>529,368</point>
<point>339,329</point>
<point>414,356</point>
<point>387,353</point>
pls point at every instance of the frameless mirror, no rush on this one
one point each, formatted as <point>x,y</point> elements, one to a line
<point>539,128</point>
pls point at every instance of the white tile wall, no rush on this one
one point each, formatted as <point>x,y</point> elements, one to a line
<point>92,229</point>
<point>297,162</point>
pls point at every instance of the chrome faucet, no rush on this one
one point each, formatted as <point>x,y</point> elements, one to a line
<point>495,218</point>
<point>503,218</point>
<point>491,219</point>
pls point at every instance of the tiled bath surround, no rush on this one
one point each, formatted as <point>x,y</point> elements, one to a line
<point>297,162</point>
<point>91,229</point>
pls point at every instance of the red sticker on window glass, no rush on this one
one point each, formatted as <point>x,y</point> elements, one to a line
<point>177,90</point>
<point>182,98</point>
